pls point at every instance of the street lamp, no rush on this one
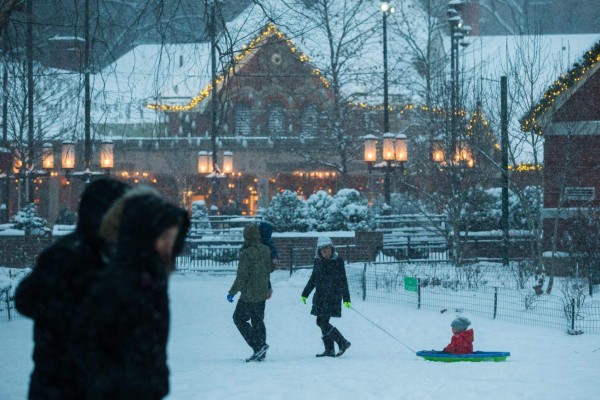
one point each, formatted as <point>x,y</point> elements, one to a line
<point>107,157</point>
<point>393,146</point>
<point>457,33</point>
<point>394,155</point>
<point>208,167</point>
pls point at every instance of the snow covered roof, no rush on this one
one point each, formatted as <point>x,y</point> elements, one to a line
<point>169,72</point>
<point>531,64</point>
<point>550,55</point>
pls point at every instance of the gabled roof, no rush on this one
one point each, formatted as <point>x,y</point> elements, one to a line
<point>562,90</point>
<point>246,54</point>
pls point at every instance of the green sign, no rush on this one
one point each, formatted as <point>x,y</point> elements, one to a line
<point>410,283</point>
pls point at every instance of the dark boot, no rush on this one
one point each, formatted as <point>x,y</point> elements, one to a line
<point>329,347</point>
<point>343,344</point>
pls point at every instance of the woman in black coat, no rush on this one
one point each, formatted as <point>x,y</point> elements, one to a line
<point>331,288</point>
<point>128,308</point>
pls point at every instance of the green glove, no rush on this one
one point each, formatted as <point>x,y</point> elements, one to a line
<point>304,299</point>
<point>347,304</point>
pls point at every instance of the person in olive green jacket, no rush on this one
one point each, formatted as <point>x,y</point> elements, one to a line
<point>252,280</point>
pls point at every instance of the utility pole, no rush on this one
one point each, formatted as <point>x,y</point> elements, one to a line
<point>505,182</point>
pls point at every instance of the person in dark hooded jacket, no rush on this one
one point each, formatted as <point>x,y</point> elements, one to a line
<point>52,294</point>
<point>252,280</point>
<point>127,312</point>
<point>329,280</point>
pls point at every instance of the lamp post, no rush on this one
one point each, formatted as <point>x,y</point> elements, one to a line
<point>386,9</point>
<point>457,32</point>
<point>106,146</point>
<point>390,141</point>
<point>208,168</point>
<point>454,154</point>
<point>394,155</point>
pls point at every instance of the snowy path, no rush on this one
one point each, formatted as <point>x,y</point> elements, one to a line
<point>206,353</point>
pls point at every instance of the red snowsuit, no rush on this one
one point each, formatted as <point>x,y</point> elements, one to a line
<point>461,342</point>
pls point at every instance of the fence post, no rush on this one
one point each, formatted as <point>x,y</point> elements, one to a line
<point>418,293</point>
<point>8,302</point>
<point>408,248</point>
<point>495,301</point>
<point>364,282</point>
<point>572,315</point>
<point>291,260</point>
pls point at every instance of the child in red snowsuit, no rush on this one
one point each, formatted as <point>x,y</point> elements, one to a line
<point>462,338</point>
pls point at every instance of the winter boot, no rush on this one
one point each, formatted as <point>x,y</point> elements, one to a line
<point>329,347</point>
<point>343,344</point>
<point>259,354</point>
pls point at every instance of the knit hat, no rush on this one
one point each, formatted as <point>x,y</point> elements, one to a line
<point>460,323</point>
<point>323,242</point>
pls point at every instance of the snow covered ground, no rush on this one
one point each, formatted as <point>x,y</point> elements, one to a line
<point>206,353</point>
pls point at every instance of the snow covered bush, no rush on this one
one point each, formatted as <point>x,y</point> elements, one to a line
<point>286,212</point>
<point>29,221</point>
<point>346,211</point>
<point>350,211</point>
<point>483,209</point>
<point>317,211</point>
<point>199,219</point>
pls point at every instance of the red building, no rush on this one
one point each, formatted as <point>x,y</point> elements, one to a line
<point>569,118</point>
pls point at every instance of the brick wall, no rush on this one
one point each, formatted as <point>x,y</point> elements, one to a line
<point>21,251</point>
<point>300,251</point>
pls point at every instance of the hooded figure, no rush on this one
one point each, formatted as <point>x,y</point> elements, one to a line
<point>266,232</point>
<point>329,281</point>
<point>127,312</point>
<point>252,280</point>
<point>52,295</point>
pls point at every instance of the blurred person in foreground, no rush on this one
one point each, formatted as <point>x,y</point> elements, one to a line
<point>126,317</point>
<point>52,294</point>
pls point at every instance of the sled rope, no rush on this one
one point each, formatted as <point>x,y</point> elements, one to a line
<point>382,329</point>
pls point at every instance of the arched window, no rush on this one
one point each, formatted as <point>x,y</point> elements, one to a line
<point>309,121</point>
<point>276,120</point>
<point>242,120</point>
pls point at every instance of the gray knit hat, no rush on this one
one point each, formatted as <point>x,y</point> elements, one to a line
<point>460,323</point>
<point>323,242</point>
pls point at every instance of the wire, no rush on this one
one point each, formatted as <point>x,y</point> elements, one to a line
<point>383,330</point>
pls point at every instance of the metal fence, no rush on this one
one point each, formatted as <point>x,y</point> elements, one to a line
<point>485,289</point>
<point>7,307</point>
<point>209,258</point>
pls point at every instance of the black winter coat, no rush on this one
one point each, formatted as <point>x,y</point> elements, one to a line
<point>329,280</point>
<point>128,308</point>
<point>54,291</point>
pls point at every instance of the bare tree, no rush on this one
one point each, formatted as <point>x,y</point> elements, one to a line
<point>339,31</point>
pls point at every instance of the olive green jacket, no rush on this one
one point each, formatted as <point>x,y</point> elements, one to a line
<point>254,268</point>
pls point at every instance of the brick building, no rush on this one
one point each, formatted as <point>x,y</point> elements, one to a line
<point>569,118</point>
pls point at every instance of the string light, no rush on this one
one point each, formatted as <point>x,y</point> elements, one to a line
<point>525,167</point>
<point>270,31</point>
<point>529,123</point>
